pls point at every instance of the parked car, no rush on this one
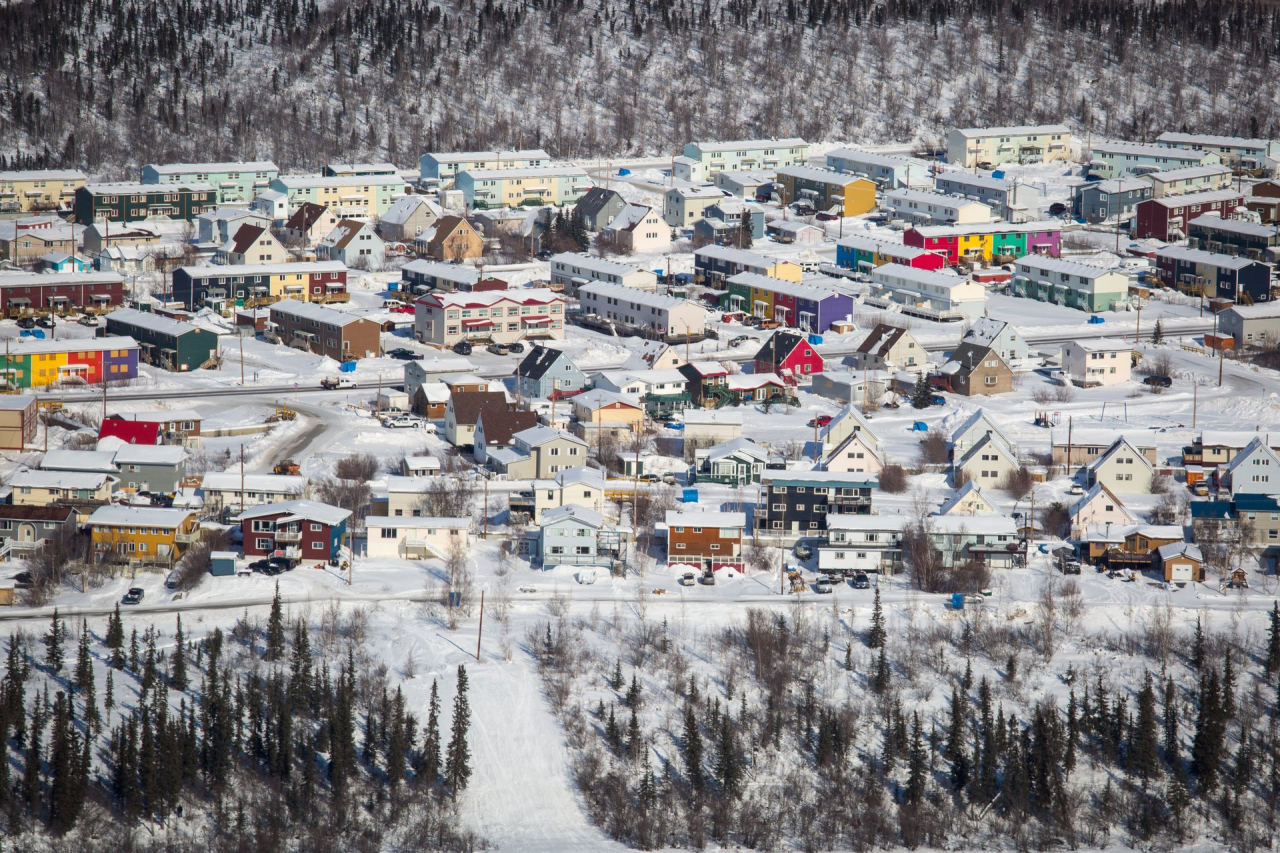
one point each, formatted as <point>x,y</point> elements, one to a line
<point>1057,209</point>
<point>1158,381</point>
<point>861,581</point>
<point>403,354</point>
<point>824,216</point>
<point>499,349</point>
<point>171,580</point>
<point>133,596</point>
<point>516,346</point>
<point>462,348</point>
<point>46,322</point>
<point>739,341</point>
<point>335,382</point>
<point>688,579</point>
<point>803,551</point>
<point>402,422</point>
<point>23,580</point>
<point>88,319</point>
<point>26,323</point>
<point>822,587</point>
<point>260,565</point>
<point>709,578</point>
<point>650,478</point>
<point>820,421</point>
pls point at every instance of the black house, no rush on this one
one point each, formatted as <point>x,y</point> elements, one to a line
<point>797,503</point>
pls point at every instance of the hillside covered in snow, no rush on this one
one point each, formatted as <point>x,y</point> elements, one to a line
<point>102,84</point>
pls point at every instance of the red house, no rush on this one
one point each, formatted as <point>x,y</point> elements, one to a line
<point>130,432</point>
<point>1166,218</point>
<point>788,355</point>
<point>300,530</point>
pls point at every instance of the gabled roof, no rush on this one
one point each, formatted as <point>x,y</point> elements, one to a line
<point>852,414</point>
<point>243,239</point>
<point>501,424</point>
<point>968,491</point>
<point>973,420</point>
<point>467,405</point>
<point>403,208</point>
<point>1115,448</point>
<point>536,435</point>
<point>1257,445</point>
<point>631,217</point>
<point>80,460</point>
<point>1097,490</point>
<point>303,509</point>
<point>969,355</point>
<point>140,516</point>
<point>881,339</point>
<point>737,447</point>
<point>1180,549</point>
<point>595,201</point>
<point>985,330</point>
<point>445,226</point>
<point>539,360</point>
<point>60,479</point>
<point>780,346</point>
<point>989,441</point>
<point>306,216</point>
<point>573,512</point>
<point>705,518</point>
<point>752,381</point>
<point>599,398</point>
<point>343,233</point>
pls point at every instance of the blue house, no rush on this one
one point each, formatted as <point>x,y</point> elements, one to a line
<point>730,212</point>
<point>62,262</point>
<point>572,535</point>
<point>545,371</point>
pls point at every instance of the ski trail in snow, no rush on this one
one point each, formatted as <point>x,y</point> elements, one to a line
<point>522,795</point>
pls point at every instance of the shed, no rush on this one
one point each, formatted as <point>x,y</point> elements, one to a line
<point>222,563</point>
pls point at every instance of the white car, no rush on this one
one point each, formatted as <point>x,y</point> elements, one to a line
<point>403,422</point>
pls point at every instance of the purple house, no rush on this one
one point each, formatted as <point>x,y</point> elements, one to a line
<point>809,307</point>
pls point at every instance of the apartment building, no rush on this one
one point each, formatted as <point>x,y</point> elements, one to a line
<point>987,147</point>
<point>446,166</point>
<point>39,189</point>
<point>504,316</point>
<point>557,185</point>
<point>642,309</point>
<point>236,183</point>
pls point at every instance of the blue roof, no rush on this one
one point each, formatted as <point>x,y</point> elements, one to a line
<point>1211,509</point>
<point>1257,503</point>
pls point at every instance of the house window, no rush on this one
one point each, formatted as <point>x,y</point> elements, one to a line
<point>388,533</point>
<point>262,544</point>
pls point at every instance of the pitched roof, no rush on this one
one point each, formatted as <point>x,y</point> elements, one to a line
<point>595,200</point>
<point>985,330</point>
<point>80,460</point>
<point>343,233</point>
<point>705,518</point>
<point>582,514</point>
<point>631,217</point>
<point>445,226</point>
<point>969,490</point>
<point>467,405</point>
<point>989,440</point>
<point>539,360</point>
<point>736,447</point>
<point>881,339</point>
<point>140,516</point>
<point>973,420</point>
<point>501,424</point>
<point>1180,549</point>
<point>969,354</point>
<point>1115,447</point>
<point>301,508</point>
<point>243,239</point>
<point>780,346</point>
<point>1093,493</point>
<point>403,208</point>
<point>1257,445</point>
<point>24,512</point>
<point>306,216</point>
<point>315,312</point>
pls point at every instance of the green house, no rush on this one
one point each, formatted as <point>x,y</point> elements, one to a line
<point>166,343</point>
<point>133,202</point>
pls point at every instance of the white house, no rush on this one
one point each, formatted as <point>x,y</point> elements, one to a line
<point>999,336</point>
<point>1122,468</point>
<point>666,315</point>
<point>638,228</point>
<point>571,270</point>
<point>748,154</point>
<point>936,295</point>
<point>925,208</point>
<point>230,490</point>
<point>988,462</point>
<point>416,538</point>
<point>972,429</point>
<point>859,452</point>
<point>967,500</point>
<point>1255,470</point>
<point>354,243</point>
<point>1097,361</point>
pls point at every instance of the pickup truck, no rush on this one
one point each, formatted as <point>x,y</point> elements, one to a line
<point>334,382</point>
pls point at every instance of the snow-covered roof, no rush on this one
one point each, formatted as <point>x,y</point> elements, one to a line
<point>301,508</point>
<point>533,436</point>
<point>883,247</point>
<point>870,158</point>
<point>406,206</point>
<point>313,312</point>
<point>1135,149</point>
<point>416,522</point>
<point>986,182</point>
<point>705,518</point>
<point>933,231</point>
<point>1213,259</point>
<point>968,491</point>
<point>942,200</point>
<point>696,191</point>
<point>1042,263</point>
<point>736,145</point>
<point>737,256</point>
<point>1180,549</point>
<point>125,188</point>
<point>574,512</point>
<point>295,182</point>
<point>26,347</point>
<point>1102,344</point>
<point>791,226</point>
<point>158,415</point>
<point>752,381</point>
<point>415,463</point>
<point>536,172</point>
<point>1115,448</point>
<point>709,417</point>
<point>140,516</point>
<point>487,298</point>
<point>1258,311</point>
<point>985,330</point>
<point>42,175</point>
<point>456,273</point>
<point>300,268</point>
<point>1092,494</point>
<point>1254,447</point>
<point>79,460</point>
<point>151,322</point>
<point>631,216</point>
<point>468,156</point>
<point>1012,130</point>
<point>593,263</point>
<point>735,447</point>
<point>903,273</point>
<point>1188,173</point>
<point>580,475</point>
<point>1117,185</point>
<point>179,168</point>
<point>816,175</point>
<point>1189,199</point>
<point>1173,138</point>
<point>1234,226</point>
<point>787,288</point>
<point>150,454</point>
<point>229,481</point>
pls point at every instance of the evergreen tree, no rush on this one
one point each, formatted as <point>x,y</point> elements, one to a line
<point>1272,662</point>
<point>1206,748</point>
<point>1073,734</point>
<point>921,393</point>
<point>431,738</point>
<point>1197,646</point>
<point>65,793</point>
<point>84,680</point>
<point>1157,334</point>
<point>633,692</point>
<point>1172,752</point>
<point>178,660</point>
<point>109,693</point>
<point>397,743</point>
<point>275,628</point>
<point>1144,755</point>
<point>1228,698</point>
<point>848,657</point>
<point>457,762</point>
<point>876,636</point>
<point>115,638</point>
<point>955,747</point>
<point>30,789</point>
<point>728,767</point>
<point>53,655</point>
<point>133,650</point>
<point>880,680</point>
<point>613,732</point>
<point>634,738</point>
<point>691,746</point>
<point>745,230</point>
<point>917,763</point>
<point>617,673</point>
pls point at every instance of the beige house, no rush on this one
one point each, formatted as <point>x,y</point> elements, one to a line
<point>1123,469</point>
<point>309,224</point>
<point>1098,506</point>
<point>682,206</point>
<point>408,218</point>
<point>859,452</point>
<point>967,500</point>
<point>32,238</point>
<point>889,348</point>
<point>638,228</point>
<point>416,538</point>
<point>581,486</point>
<point>988,462</point>
<point>44,488</point>
<point>106,234</point>
<point>847,422</point>
<point>537,453</point>
<point>252,244</point>
<point>1091,362</point>
<point>454,240</point>
<point>607,410</point>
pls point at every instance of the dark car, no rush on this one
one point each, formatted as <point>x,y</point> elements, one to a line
<point>133,596</point>
<point>45,322</point>
<point>283,564</point>
<point>861,581</point>
<point>23,580</point>
<point>1057,209</point>
<point>462,348</point>
<point>260,566</point>
<point>26,323</point>
<point>516,347</point>
<point>827,217</point>
<point>1158,381</point>
<point>802,551</point>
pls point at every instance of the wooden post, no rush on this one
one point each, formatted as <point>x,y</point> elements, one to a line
<point>1070,424</point>
<point>782,572</point>
<point>1195,403</point>
<point>480,633</point>
<point>485,534</point>
<point>241,339</point>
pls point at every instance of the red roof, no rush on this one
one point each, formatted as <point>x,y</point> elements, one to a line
<point>130,432</point>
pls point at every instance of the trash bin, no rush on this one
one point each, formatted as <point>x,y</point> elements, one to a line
<point>957,601</point>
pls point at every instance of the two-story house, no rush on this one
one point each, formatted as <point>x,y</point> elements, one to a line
<point>301,530</point>
<point>705,541</point>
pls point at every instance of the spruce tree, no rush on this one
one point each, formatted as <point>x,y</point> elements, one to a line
<point>955,747</point>
<point>634,738</point>
<point>617,674</point>
<point>613,732</point>
<point>84,680</point>
<point>115,638</point>
<point>1272,661</point>
<point>109,693</point>
<point>876,636</point>
<point>917,763</point>
<point>457,762</point>
<point>1197,646</point>
<point>1157,334</point>
<point>1206,748</point>
<point>178,660</point>
<point>133,650</point>
<point>64,775</point>
<point>53,652</point>
<point>431,738</point>
<point>397,743</point>
<point>921,393</point>
<point>1228,698</point>
<point>691,746</point>
<point>881,678</point>
<point>275,629</point>
<point>30,788</point>
<point>745,234</point>
<point>1144,755</point>
<point>1172,751</point>
<point>728,766</point>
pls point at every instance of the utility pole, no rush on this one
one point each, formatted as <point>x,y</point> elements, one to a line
<point>815,441</point>
<point>1070,425</point>
<point>242,476</point>
<point>241,339</point>
<point>1138,334</point>
<point>1195,403</point>
<point>485,534</point>
<point>782,572</point>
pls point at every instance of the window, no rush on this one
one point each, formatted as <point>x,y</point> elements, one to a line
<point>262,544</point>
<point>316,528</point>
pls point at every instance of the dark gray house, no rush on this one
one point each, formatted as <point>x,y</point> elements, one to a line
<point>599,207</point>
<point>545,371</point>
<point>26,530</point>
<point>151,468</point>
<point>730,211</point>
<point>1111,201</point>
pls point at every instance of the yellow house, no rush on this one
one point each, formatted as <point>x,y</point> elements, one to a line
<point>132,534</point>
<point>607,410</point>
<point>826,189</point>
<point>45,488</point>
<point>42,189</point>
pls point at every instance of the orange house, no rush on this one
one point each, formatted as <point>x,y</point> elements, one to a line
<point>150,535</point>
